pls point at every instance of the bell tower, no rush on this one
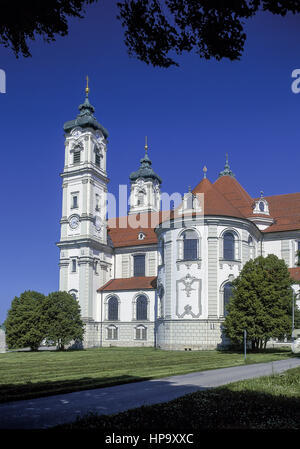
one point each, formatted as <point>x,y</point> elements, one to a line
<point>145,187</point>
<point>85,257</point>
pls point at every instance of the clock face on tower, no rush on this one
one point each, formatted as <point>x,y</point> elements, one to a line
<point>74,221</point>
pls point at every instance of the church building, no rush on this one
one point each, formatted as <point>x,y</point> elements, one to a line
<point>160,278</point>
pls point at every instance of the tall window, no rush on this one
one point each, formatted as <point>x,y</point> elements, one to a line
<point>141,199</point>
<point>162,251</point>
<point>227,295</point>
<point>190,245</point>
<point>139,265</point>
<point>98,159</point>
<point>251,247</point>
<point>113,309</point>
<point>76,157</point>
<point>73,265</point>
<point>141,308</point>
<point>228,253</point>
<point>74,202</point>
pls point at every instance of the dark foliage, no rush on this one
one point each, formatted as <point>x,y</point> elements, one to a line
<point>22,21</point>
<point>219,408</point>
<point>24,324</point>
<point>261,302</point>
<point>153,28</point>
<point>213,28</point>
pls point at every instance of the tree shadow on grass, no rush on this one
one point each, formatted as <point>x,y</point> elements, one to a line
<point>213,409</point>
<point>32,390</point>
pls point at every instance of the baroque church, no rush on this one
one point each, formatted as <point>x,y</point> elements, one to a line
<point>160,278</point>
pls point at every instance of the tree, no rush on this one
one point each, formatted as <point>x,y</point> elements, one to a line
<point>261,302</point>
<point>22,21</point>
<point>153,28</point>
<point>61,312</point>
<point>24,324</point>
<point>213,28</point>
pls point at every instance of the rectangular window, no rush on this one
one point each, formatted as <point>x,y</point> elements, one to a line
<point>74,202</point>
<point>97,159</point>
<point>76,157</point>
<point>97,202</point>
<point>190,249</point>
<point>139,265</point>
<point>73,265</point>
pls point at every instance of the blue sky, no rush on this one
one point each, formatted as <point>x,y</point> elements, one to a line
<point>192,116</point>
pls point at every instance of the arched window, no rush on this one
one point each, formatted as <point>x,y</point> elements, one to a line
<point>262,206</point>
<point>228,246</point>
<point>141,333</point>
<point>113,309</point>
<point>74,293</point>
<point>251,247</point>
<point>112,332</point>
<point>227,295</point>
<point>190,245</point>
<point>141,308</point>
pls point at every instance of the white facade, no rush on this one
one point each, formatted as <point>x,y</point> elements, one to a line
<point>112,274</point>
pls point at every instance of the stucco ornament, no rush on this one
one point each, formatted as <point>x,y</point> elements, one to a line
<point>188,284</point>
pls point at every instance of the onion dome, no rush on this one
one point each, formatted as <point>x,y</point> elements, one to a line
<point>227,171</point>
<point>85,118</point>
<point>145,171</point>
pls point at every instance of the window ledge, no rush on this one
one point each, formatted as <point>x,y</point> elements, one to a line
<point>231,263</point>
<point>188,263</point>
<point>140,321</point>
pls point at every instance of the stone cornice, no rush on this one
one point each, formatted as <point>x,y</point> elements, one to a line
<point>84,169</point>
<point>74,242</point>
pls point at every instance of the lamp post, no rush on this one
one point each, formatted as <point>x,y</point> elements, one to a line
<point>245,344</point>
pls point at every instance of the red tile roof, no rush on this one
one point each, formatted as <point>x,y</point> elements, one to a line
<point>225,197</point>
<point>215,202</point>
<point>295,273</point>
<point>135,283</point>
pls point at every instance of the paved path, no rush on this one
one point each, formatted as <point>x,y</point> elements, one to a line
<point>53,410</point>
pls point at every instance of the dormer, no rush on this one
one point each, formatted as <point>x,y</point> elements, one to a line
<point>261,213</point>
<point>261,206</point>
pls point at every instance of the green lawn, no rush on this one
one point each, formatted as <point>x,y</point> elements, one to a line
<point>271,402</point>
<point>25,375</point>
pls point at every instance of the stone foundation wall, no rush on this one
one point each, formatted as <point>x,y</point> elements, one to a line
<point>170,335</point>
<point>96,334</point>
<point>190,335</point>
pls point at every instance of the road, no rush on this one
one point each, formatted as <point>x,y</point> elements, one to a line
<point>49,411</point>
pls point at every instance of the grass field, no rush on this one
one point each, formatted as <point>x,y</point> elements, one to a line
<point>25,375</point>
<point>271,402</point>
